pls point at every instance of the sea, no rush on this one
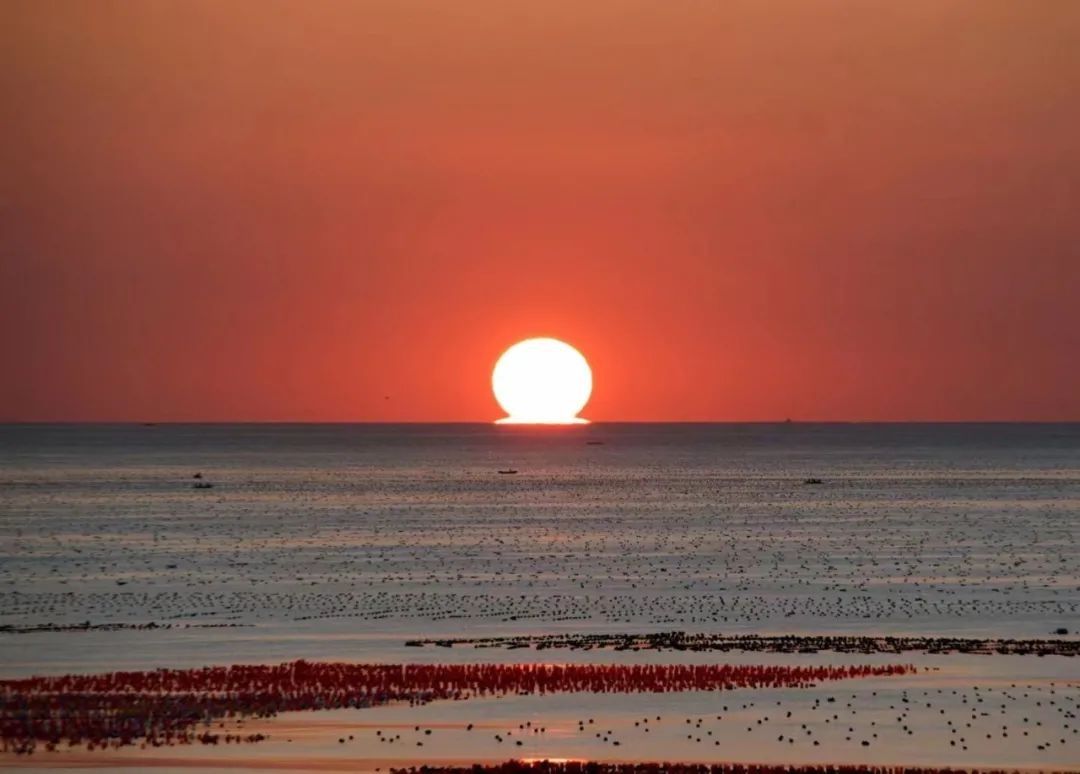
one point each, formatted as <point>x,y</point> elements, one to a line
<point>136,546</point>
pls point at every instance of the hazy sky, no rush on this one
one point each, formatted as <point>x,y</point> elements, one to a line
<point>269,210</point>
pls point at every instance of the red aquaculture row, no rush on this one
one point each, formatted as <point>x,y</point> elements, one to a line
<point>585,767</point>
<point>165,706</point>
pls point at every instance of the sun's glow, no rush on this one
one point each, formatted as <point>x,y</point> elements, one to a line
<point>542,381</point>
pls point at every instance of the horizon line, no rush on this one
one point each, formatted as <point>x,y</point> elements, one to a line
<point>498,423</point>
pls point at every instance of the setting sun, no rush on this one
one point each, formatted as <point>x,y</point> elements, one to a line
<point>542,381</point>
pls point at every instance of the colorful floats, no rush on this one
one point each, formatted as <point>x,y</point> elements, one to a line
<point>169,706</point>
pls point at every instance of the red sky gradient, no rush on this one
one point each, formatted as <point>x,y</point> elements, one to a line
<point>220,210</point>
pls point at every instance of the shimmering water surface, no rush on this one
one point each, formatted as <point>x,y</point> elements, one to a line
<point>315,535</point>
<point>344,541</point>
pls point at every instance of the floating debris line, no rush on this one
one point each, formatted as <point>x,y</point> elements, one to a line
<point>763,644</point>
<point>86,626</point>
<point>166,706</point>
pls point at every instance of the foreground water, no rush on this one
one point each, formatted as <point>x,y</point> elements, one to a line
<point>344,541</point>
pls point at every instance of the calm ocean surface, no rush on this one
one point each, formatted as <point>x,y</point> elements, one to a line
<point>341,540</point>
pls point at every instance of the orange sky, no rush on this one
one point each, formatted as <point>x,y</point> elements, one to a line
<point>220,210</point>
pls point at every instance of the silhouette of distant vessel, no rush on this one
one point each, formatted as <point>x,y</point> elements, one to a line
<point>202,485</point>
<point>508,472</point>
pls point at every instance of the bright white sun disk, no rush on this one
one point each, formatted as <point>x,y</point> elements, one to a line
<point>542,381</point>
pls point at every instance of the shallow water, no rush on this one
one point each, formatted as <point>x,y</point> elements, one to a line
<point>341,542</point>
<point>320,540</point>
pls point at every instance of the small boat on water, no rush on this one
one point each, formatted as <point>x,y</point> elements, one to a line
<point>508,472</point>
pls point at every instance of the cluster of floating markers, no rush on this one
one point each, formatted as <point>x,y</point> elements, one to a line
<point>168,706</point>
